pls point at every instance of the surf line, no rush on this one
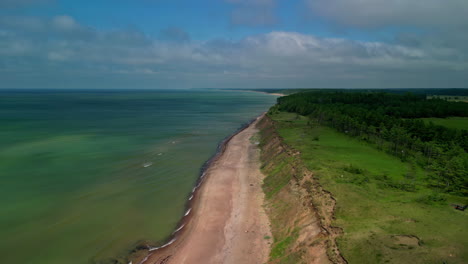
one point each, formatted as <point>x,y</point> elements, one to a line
<point>163,246</point>
<point>193,196</point>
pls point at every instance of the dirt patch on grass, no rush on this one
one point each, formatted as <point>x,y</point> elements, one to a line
<point>406,240</point>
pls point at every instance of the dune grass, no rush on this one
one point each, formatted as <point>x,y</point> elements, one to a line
<point>383,221</point>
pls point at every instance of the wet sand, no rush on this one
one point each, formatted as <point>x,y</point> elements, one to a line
<point>227,223</point>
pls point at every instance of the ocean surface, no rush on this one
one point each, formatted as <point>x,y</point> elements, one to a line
<point>86,175</point>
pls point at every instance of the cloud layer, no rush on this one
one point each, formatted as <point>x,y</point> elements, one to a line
<point>384,13</point>
<point>61,53</point>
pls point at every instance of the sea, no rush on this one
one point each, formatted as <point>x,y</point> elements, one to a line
<point>86,175</point>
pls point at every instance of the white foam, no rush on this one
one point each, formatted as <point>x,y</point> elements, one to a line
<point>190,198</point>
<point>188,212</point>
<point>144,260</point>
<point>178,229</point>
<point>163,246</point>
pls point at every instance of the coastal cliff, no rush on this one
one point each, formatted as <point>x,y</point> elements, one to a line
<point>300,210</point>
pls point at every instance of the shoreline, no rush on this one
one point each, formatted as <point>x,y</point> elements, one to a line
<point>276,94</point>
<point>254,91</point>
<point>165,253</point>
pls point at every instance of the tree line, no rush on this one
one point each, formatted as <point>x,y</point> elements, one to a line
<point>391,122</point>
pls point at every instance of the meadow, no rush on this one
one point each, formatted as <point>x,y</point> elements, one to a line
<point>382,221</point>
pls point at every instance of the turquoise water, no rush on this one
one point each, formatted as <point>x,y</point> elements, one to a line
<point>84,176</point>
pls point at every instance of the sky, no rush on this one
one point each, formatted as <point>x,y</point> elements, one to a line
<point>178,44</point>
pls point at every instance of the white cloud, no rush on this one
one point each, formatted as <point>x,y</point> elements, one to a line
<point>65,23</point>
<point>382,13</point>
<point>276,59</point>
<point>27,24</point>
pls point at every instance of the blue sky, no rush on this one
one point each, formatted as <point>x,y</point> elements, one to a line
<point>233,43</point>
<point>204,19</point>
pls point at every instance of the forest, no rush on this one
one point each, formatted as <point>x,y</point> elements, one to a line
<point>392,123</point>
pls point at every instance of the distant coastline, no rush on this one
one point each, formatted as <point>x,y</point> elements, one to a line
<point>255,91</point>
<point>277,94</point>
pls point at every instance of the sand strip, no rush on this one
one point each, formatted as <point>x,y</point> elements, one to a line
<point>227,222</point>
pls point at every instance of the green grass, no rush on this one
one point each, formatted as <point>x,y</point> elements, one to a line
<point>450,122</point>
<point>279,249</point>
<point>277,180</point>
<point>372,205</point>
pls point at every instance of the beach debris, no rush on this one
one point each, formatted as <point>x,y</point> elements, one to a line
<point>147,164</point>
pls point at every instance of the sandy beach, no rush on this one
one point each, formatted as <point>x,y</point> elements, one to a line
<point>227,223</point>
<point>275,94</point>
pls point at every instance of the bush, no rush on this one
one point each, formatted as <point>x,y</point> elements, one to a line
<point>433,198</point>
<point>400,185</point>
<point>353,169</point>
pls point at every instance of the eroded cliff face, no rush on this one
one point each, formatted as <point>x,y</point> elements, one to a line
<point>300,211</point>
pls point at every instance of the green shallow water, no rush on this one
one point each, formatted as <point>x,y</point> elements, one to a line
<point>73,183</point>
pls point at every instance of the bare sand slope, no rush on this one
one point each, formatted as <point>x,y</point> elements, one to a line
<point>228,223</point>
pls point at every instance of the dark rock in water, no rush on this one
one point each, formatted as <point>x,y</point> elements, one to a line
<point>143,245</point>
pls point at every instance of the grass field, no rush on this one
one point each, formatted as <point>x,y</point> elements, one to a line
<point>382,223</point>
<point>451,122</point>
